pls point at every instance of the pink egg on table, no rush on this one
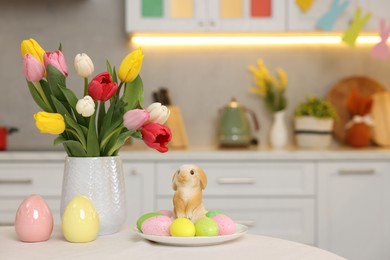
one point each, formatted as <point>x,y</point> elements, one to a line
<point>157,225</point>
<point>166,212</point>
<point>33,220</point>
<point>225,224</point>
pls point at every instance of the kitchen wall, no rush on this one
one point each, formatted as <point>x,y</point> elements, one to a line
<point>201,79</point>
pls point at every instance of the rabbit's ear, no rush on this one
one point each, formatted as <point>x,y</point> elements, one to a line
<point>202,178</point>
<point>174,186</point>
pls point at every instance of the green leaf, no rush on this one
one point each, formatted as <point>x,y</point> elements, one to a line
<point>55,79</point>
<point>74,148</point>
<point>60,47</point>
<point>92,140</point>
<point>119,143</point>
<point>101,116</point>
<point>60,108</point>
<point>112,131</point>
<point>107,121</point>
<point>79,132</point>
<point>113,75</point>
<point>60,139</point>
<point>109,70</point>
<point>72,101</point>
<point>46,90</point>
<point>37,98</point>
<point>134,94</point>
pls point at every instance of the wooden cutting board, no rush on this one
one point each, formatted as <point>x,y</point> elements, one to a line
<point>380,113</point>
<point>339,94</point>
<point>176,124</point>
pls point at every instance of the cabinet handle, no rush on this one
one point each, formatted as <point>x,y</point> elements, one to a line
<point>201,24</point>
<point>16,182</point>
<point>2,224</point>
<point>212,23</point>
<point>246,222</point>
<point>134,172</point>
<point>357,172</point>
<point>236,180</point>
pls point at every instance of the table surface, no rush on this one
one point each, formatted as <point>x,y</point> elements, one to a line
<point>126,244</point>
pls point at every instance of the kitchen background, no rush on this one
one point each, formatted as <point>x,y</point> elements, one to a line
<point>201,80</point>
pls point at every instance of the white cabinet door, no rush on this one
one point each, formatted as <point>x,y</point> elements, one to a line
<point>140,198</point>
<point>168,15</point>
<point>306,21</point>
<point>354,209</point>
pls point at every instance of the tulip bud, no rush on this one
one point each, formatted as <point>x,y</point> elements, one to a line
<point>131,66</point>
<point>102,87</point>
<point>158,113</point>
<point>156,136</point>
<point>33,69</point>
<point>134,119</point>
<point>83,65</point>
<point>56,59</point>
<point>85,106</point>
<point>50,123</point>
<point>30,46</point>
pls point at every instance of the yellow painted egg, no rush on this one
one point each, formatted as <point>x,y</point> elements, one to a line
<point>80,220</point>
<point>182,227</point>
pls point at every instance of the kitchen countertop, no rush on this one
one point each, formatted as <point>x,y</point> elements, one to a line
<point>127,245</point>
<point>141,153</point>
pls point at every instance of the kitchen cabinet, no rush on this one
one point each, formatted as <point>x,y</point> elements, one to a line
<point>205,16</point>
<point>274,199</point>
<point>299,21</point>
<point>354,209</point>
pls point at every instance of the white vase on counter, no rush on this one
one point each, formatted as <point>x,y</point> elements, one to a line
<point>278,132</point>
<point>101,180</point>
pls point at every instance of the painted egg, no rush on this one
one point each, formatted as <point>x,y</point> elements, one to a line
<point>226,225</point>
<point>80,220</point>
<point>206,227</point>
<point>182,227</point>
<point>33,220</point>
<point>165,212</point>
<point>213,213</point>
<point>157,225</point>
<point>145,217</point>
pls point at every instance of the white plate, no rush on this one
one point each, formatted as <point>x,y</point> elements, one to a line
<point>194,241</point>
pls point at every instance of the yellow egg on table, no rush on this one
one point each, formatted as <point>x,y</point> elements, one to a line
<point>80,220</point>
<point>182,227</point>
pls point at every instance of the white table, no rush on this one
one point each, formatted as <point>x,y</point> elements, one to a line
<point>127,245</point>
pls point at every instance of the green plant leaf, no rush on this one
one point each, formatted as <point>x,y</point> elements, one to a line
<point>72,101</point>
<point>59,139</point>
<point>134,94</point>
<point>60,108</point>
<point>92,140</point>
<point>107,121</point>
<point>37,98</point>
<point>55,79</point>
<point>109,134</point>
<point>120,141</point>
<point>79,132</point>
<point>113,75</point>
<point>47,91</point>
<point>101,116</point>
<point>74,148</point>
<point>109,69</point>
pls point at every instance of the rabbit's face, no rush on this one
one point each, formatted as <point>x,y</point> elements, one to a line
<point>189,175</point>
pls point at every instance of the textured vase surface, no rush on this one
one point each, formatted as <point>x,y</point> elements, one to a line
<point>278,132</point>
<point>101,180</point>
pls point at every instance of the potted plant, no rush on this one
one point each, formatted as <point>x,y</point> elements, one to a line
<point>314,121</point>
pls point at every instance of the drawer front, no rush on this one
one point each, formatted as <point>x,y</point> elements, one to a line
<point>291,219</point>
<point>284,178</point>
<point>8,208</point>
<point>31,178</point>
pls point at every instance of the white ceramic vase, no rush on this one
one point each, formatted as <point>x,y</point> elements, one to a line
<point>312,132</point>
<point>278,132</point>
<point>100,179</point>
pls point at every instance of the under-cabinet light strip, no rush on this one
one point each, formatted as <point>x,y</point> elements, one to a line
<point>245,40</point>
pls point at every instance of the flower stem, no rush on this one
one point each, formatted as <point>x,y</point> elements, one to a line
<point>43,96</point>
<point>85,86</point>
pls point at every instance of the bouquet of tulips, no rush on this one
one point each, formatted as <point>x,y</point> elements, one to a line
<point>271,88</point>
<point>110,112</point>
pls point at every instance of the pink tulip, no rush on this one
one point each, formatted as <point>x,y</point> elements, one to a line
<point>102,87</point>
<point>134,119</point>
<point>32,68</point>
<point>156,136</point>
<point>56,59</point>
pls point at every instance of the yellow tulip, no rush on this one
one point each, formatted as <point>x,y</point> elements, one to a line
<point>131,66</point>
<point>50,123</point>
<point>32,47</point>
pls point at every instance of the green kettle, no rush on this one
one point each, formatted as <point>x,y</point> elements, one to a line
<point>234,127</point>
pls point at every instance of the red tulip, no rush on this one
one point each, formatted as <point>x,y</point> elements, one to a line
<point>102,87</point>
<point>56,59</point>
<point>156,136</point>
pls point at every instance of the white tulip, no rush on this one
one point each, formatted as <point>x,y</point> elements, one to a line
<point>85,106</point>
<point>158,113</point>
<point>83,65</point>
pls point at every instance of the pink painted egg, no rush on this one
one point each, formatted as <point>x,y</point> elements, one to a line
<point>157,225</point>
<point>33,220</point>
<point>166,212</point>
<point>226,225</point>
